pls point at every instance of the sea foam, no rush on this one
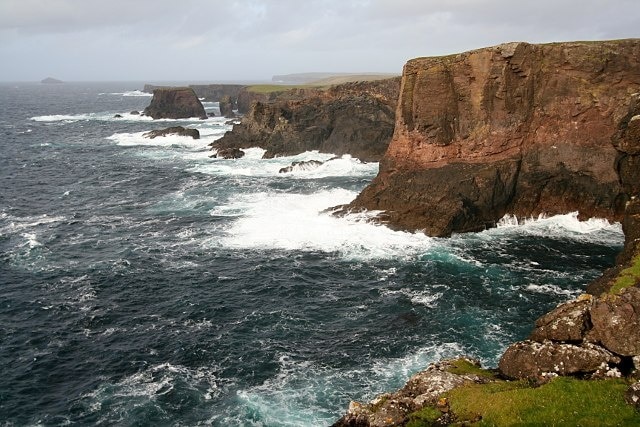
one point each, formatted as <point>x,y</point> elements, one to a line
<point>295,222</point>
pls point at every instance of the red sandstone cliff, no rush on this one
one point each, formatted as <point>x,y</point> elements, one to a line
<point>517,128</point>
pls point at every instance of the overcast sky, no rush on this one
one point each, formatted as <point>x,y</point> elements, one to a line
<point>218,40</point>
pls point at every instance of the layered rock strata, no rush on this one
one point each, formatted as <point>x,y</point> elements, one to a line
<point>352,118</point>
<point>518,128</point>
<point>175,103</point>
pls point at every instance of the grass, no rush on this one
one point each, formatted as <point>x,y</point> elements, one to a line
<point>465,367</point>
<point>276,88</point>
<point>562,401</point>
<point>627,277</point>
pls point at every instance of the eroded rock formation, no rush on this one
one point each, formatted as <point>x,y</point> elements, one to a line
<point>517,128</point>
<point>175,103</point>
<point>352,118</point>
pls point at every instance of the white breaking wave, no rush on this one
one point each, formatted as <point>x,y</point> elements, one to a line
<point>252,164</point>
<point>594,230</point>
<point>137,138</point>
<point>550,289</point>
<point>110,117</point>
<point>128,93</point>
<point>297,222</point>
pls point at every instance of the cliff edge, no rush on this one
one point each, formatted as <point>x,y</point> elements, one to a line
<point>518,129</point>
<point>175,103</point>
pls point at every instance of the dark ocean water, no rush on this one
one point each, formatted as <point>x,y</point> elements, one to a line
<point>143,283</point>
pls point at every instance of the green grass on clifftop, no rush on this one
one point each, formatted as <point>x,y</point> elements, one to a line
<point>563,401</point>
<point>276,88</point>
<point>627,277</point>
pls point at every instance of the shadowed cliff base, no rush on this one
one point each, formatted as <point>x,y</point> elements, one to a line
<point>517,128</point>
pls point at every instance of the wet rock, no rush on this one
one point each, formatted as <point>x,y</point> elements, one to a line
<point>530,359</point>
<point>304,165</point>
<point>135,113</point>
<point>174,130</point>
<point>117,116</point>
<point>228,153</point>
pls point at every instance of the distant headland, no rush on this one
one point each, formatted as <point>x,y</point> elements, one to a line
<point>50,81</point>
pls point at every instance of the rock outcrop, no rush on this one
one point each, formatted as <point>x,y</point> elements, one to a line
<point>174,130</point>
<point>226,107</point>
<point>175,103</point>
<point>304,165</point>
<point>352,118</point>
<point>518,128</point>
<point>424,388</point>
<point>228,153</point>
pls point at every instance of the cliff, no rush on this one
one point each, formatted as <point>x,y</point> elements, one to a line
<point>354,118</point>
<point>518,128</point>
<point>175,103</point>
<point>210,92</point>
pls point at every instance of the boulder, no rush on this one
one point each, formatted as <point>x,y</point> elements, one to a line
<point>568,322</point>
<point>174,130</point>
<point>135,113</point>
<point>117,116</point>
<point>530,359</point>
<point>228,153</point>
<point>616,322</point>
<point>632,396</point>
<point>175,103</point>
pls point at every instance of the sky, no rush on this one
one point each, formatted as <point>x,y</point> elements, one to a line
<point>227,40</point>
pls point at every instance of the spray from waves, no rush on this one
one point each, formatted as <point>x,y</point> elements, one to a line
<point>594,230</point>
<point>303,392</point>
<point>138,139</point>
<point>297,222</point>
<point>252,164</point>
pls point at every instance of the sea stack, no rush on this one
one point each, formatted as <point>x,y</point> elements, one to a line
<point>175,103</point>
<point>518,129</point>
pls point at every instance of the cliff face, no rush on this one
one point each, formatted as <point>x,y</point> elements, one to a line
<point>175,103</point>
<point>517,128</point>
<point>352,118</point>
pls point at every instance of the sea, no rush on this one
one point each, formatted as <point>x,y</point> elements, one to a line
<point>143,282</point>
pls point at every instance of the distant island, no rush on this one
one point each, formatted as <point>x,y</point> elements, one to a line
<point>50,81</point>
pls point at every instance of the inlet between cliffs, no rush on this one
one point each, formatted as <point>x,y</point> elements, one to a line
<point>142,281</point>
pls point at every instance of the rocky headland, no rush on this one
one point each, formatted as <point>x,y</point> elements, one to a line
<point>523,129</point>
<point>517,129</point>
<point>175,103</point>
<point>354,118</point>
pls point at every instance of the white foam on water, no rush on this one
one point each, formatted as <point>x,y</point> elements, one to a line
<point>147,387</point>
<point>297,395</point>
<point>128,93</point>
<point>109,116</point>
<point>417,297</point>
<point>594,230</point>
<point>138,139</point>
<point>550,289</point>
<point>252,164</point>
<point>297,222</point>
<point>11,224</point>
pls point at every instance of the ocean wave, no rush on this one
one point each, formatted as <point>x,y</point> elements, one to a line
<point>252,164</point>
<point>126,139</point>
<point>127,93</point>
<point>295,222</point>
<point>550,289</point>
<point>110,116</point>
<point>594,230</point>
